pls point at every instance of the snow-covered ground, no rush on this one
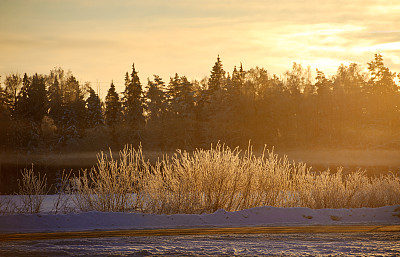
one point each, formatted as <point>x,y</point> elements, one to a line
<point>293,244</point>
<point>46,221</point>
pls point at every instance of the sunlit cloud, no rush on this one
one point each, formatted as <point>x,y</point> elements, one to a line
<point>381,47</point>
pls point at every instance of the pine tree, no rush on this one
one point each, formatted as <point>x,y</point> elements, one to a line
<point>133,99</point>
<point>323,85</point>
<point>94,114</point>
<point>113,107</point>
<point>382,92</point>
<point>381,77</point>
<point>296,79</point>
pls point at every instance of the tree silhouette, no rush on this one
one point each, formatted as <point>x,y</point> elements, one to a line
<point>353,108</point>
<point>13,84</point>
<point>22,105</point>
<point>217,77</point>
<point>55,104</point>
<point>5,118</point>
<point>37,98</point>
<point>94,113</point>
<point>156,98</point>
<point>156,108</point>
<point>74,116</point>
<point>382,95</point>
<point>133,99</point>
<point>381,77</point>
<point>113,107</point>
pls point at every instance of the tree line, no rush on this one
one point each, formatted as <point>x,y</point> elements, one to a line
<point>353,108</point>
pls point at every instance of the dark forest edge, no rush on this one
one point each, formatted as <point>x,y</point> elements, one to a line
<point>352,109</point>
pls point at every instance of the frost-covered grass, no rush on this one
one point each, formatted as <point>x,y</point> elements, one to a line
<point>204,181</point>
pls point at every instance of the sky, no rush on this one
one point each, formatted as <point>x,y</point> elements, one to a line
<point>98,40</point>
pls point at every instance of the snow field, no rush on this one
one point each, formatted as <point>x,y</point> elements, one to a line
<point>259,216</point>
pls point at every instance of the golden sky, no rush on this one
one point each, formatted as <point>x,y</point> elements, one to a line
<point>98,40</point>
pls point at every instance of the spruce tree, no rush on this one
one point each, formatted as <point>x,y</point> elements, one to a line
<point>235,87</point>
<point>22,105</point>
<point>94,114</point>
<point>181,95</point>
<point>238,77</point>
<point>73,120</point>
<point>186,95</point>
<point>37,98</point>
<point>156,97</point>
<point>174,94</point>
<point>215,95</point>
<point>180,123</point>
<point>133,99</point>
<point>156,107</point>
<point>113,107</point>
<point>217,77</point>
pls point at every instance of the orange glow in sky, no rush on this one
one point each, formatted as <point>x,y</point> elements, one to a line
<point>98,40</point>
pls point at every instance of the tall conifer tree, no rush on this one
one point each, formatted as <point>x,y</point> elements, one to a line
<point>217,77</point>
<point>22,105</point>
<point>133,99</point>
<point>113,107</point>
<point>37,98</point>
<point>94,115</point>
<point>156,97</point>
<point>55,101</point>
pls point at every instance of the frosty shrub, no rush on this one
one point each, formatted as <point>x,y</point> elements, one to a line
<point>113,185</point>
<point>204,181</point>
<point>221,178</point>
<point>224,178</point>
<point>32,190</point>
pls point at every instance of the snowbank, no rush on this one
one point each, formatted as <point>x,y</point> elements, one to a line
<point>260,216</point>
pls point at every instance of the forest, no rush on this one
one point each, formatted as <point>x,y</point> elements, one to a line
<point>357,107</point>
